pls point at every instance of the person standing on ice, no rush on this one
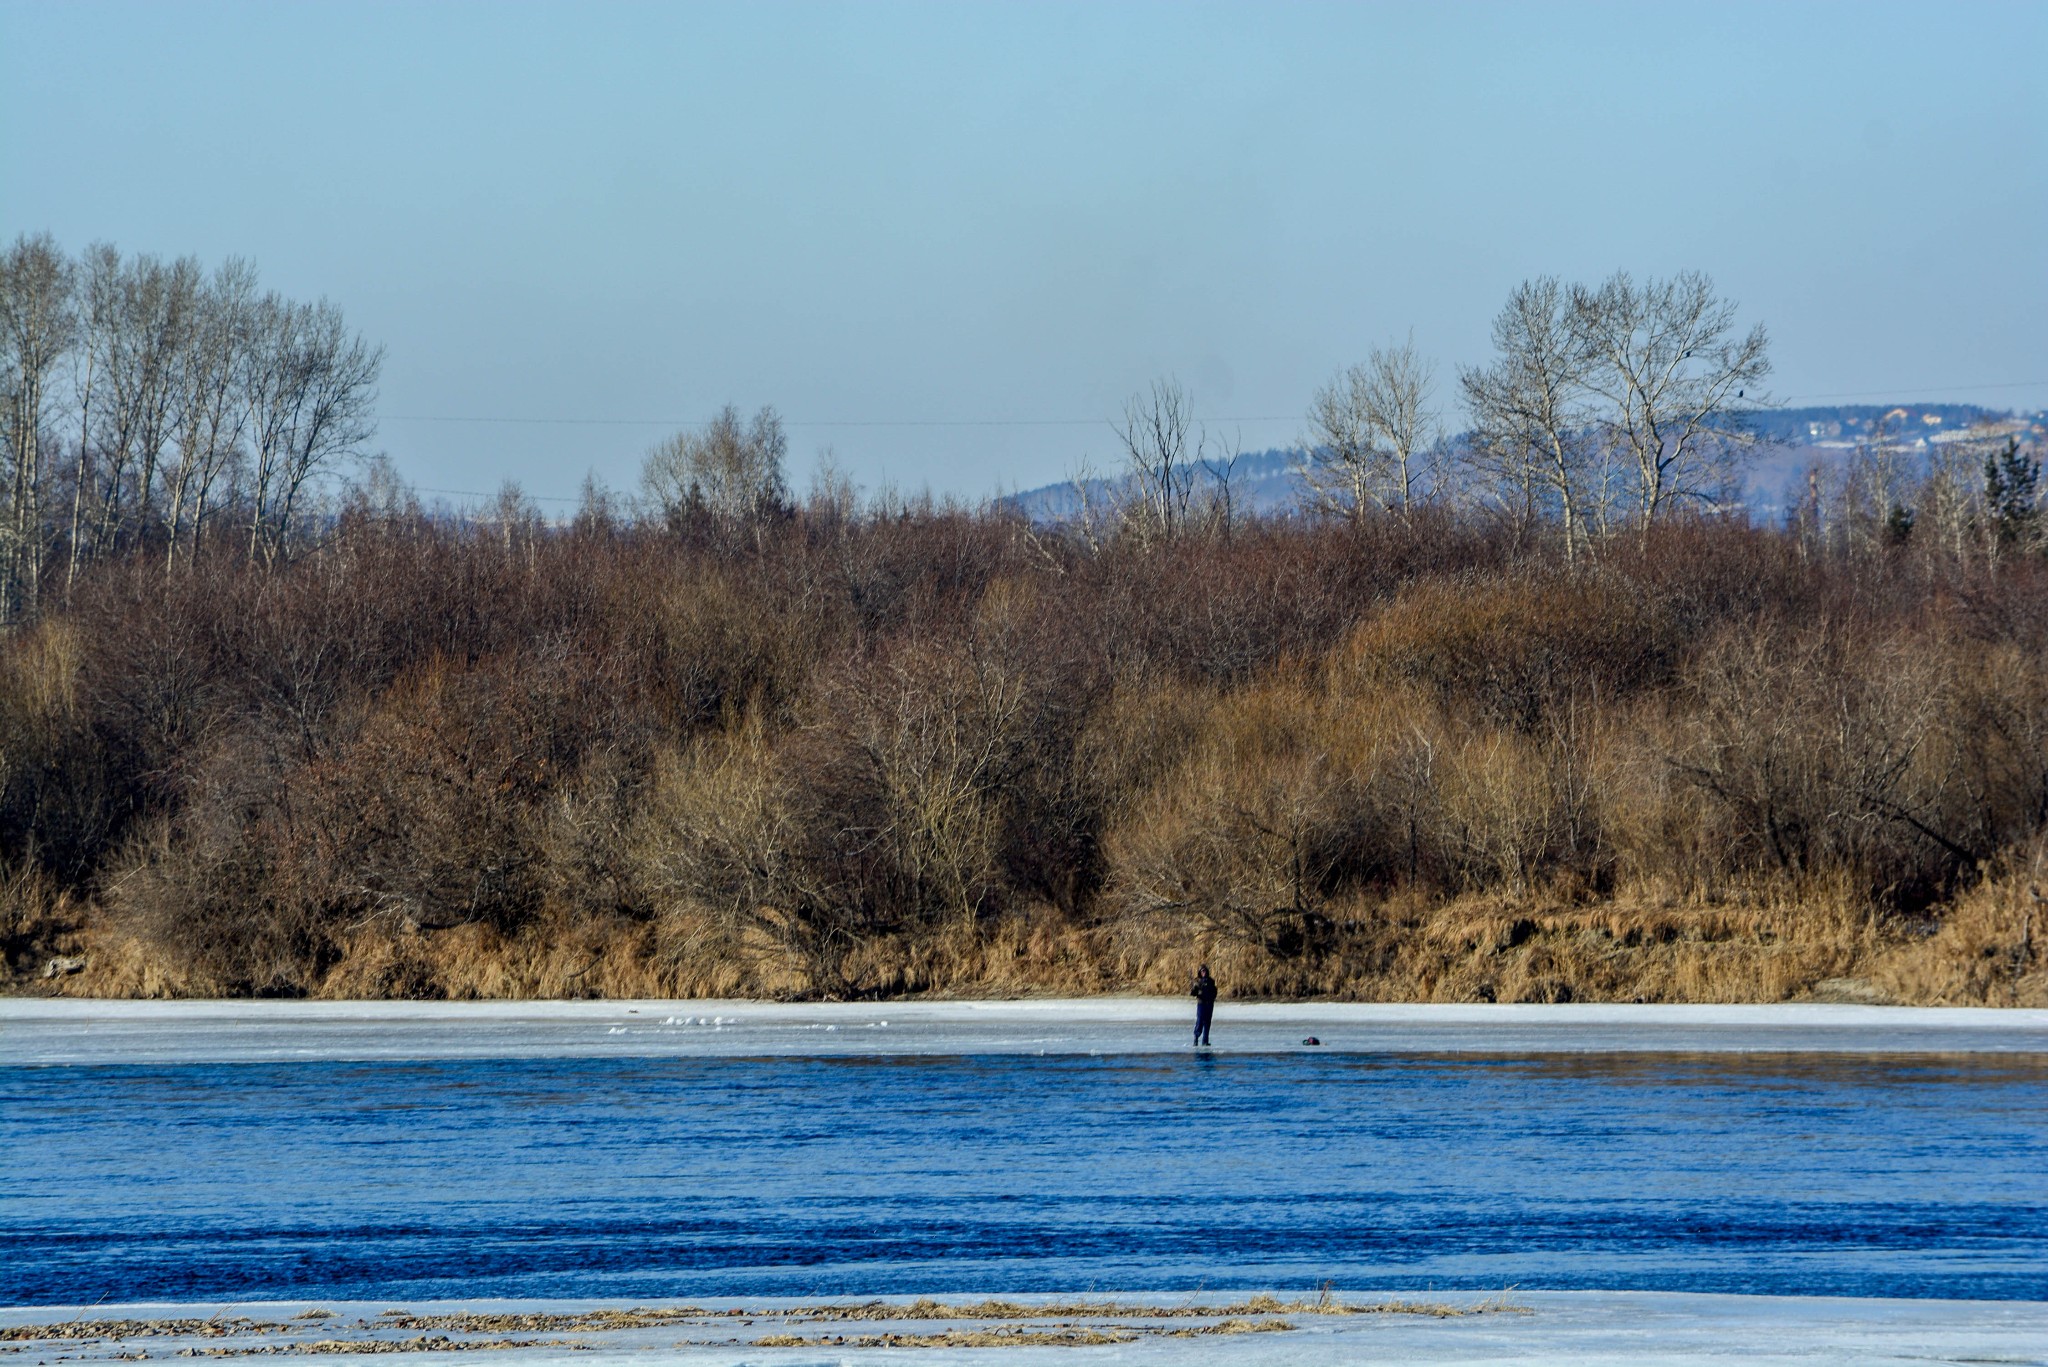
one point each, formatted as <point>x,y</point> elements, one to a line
<point>1204,993</point>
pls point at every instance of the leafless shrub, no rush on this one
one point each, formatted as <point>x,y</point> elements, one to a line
<point>1515,650</point>
<point>1816,744</point>
<point>925,749</point>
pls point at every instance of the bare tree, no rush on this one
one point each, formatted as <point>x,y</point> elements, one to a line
<point>1372,436</point>
<point>1220,468</point>
<point>1673,378</point>
<point>518,522</point>
<point>1091,508</point>
<point>213,413</point>
<point>152,310</point>
<point>1531,440</point>
<point>310,386</point>
<point>172,301</point>
<point>1163,448</point>
<point>1877,486</point>
<point>98,287</point>
<point>38,325</point>
<point>177,382</point>
<point>1340,459</point>
<point>732,470</point>
<point>833,500</point>
<point>1951,499</point>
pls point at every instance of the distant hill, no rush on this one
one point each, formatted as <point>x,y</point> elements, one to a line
<point>1799,440</point>
<point>1792,441</point>
<point>1849,422</point>
<point>1260,481</point>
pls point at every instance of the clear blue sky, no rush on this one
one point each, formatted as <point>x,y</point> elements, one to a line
<point>881,214</point>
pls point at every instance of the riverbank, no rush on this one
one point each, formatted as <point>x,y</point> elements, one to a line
<point>1645,947</point>
<point>69,1031</point>
<point>1593,1328</point>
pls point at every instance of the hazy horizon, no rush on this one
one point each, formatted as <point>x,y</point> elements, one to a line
<point>948,242</point>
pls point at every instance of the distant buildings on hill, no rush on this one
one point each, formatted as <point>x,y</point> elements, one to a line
<point>1793,443</point>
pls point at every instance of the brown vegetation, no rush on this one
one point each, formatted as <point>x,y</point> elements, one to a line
<point>918,750</point>
<point>980,1324</point>
<point>957,1338</point>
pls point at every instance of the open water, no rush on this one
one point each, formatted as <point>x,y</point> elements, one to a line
<point>634,1179</point>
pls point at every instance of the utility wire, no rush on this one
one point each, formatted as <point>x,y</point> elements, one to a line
<point>478,493</point>
<point>848,422</point>
<point>1064,422</point>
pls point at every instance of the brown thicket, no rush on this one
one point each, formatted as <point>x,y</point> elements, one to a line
<point>925,750</point>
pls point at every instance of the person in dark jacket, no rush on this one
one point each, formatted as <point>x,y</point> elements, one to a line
<point>1204,993</point>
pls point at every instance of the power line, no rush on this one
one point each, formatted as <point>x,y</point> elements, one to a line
<point>478,493</point>
<point>521,421</point>
<point>540,422</point>
<point>815,422</point>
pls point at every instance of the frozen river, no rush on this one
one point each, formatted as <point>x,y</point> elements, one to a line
<point>639,1151</point>
<point>62,1031</point>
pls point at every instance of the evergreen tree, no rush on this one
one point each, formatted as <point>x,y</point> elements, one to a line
<point>2012,481</point>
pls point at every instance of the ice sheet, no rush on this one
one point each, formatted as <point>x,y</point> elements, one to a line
<point>80,1031</point>
<point>1593,1328</point>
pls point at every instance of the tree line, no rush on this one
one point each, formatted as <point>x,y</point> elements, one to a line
<point>1606,410</point>
<point>809,749</point>
<point>1608,407</point>
<point>152,404</point>
<point>732,738</point>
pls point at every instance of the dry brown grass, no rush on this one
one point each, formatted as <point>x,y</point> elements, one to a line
<point>956,1338</point>
<point>1231,1327</point>
<point>978,1324</point>
<point>593,1321</point>
<point>1259,1314</point>
<point>135,1329</point>
<point>434,1343</point>
<point>1760,943</point>
<point>1990,949</point>
<point>1264,1303</point>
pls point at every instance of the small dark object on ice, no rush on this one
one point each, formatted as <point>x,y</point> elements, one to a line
<point>1311,1040</point>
